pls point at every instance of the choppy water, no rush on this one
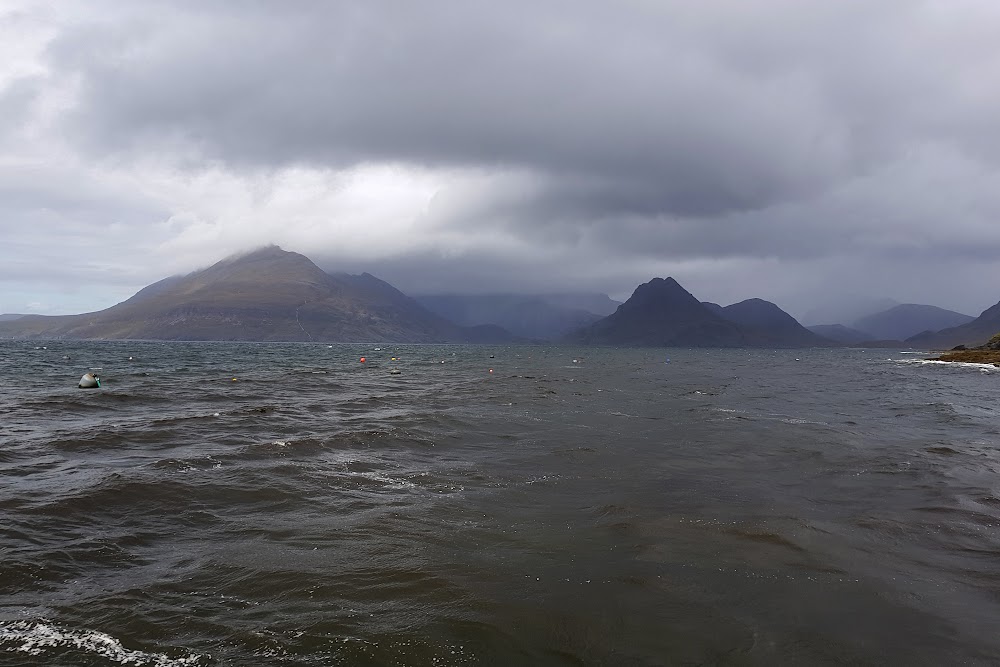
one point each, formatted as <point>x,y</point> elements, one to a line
<point>728,507</point>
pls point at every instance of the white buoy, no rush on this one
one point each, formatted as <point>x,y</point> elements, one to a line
<point>90,381</point>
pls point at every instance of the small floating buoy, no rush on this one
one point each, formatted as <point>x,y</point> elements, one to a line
<point>130,358</point>
<point>575,361</point>
<point>234,380</point>
<point>491,356</point>
<point>362,360</point>
<point>393,359</point>
<point>491,370</point>
<point>442,361</point>
<point>394,371</point>
<point>89,381</point>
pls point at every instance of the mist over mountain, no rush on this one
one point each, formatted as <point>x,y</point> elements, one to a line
<point>841,334</point>
<point>843,309</point>
<point>909,319</point>
<point>266,295</point>
<point>599,304</point>
<point>532,317</point>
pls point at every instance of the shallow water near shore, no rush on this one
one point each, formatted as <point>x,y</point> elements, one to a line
<point>284,504</point>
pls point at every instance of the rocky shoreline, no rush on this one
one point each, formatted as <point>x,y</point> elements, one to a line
<point>984,354</point>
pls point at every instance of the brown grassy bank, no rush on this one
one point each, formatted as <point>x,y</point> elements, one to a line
<point>971,356</point>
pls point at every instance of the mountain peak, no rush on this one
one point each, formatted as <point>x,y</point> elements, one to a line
<point>269,250</point>
<point>662,313</point>
<point>662,295</point>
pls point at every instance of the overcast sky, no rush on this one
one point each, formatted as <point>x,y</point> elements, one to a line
<point>803,151</point>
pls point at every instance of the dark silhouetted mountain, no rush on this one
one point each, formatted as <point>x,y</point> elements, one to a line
<point>714,307</point>
<point>531,317</point>
<point>662,313</point>
<point>266,295</point>
<point>972,334</point>
<point>909,319</point>
<point>841,334</point>
<point>765,325</point>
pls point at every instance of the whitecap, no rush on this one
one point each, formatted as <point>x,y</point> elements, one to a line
<point>44,638</point>
<point>983,368</point>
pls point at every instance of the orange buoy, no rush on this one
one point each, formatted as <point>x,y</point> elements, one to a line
<point>362,360</point>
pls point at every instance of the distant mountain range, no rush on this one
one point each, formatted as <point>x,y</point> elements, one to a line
<point>909,323</point>
<point>971,334</point>
<point>274,295</point>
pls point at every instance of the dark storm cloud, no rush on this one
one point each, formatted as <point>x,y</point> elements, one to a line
<point>633,108</point>
<point>622,95</point>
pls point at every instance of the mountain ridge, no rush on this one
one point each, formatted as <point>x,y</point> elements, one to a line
<point>971,334</point>
<point>266,295</point>
<point>662,313</point>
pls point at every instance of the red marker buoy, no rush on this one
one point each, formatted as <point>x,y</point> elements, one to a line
<point>491,370</point>
<point>362,360</point>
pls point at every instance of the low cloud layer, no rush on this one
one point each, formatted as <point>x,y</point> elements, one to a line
<point>795,151</point>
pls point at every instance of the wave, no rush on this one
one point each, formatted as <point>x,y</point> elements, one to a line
<point>984,368</point>
<point>50,641</point>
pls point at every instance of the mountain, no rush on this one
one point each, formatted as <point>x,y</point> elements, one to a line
<point>766,325</point>
<point>972,334</point>
<point>7,317</point>
<point>714,307</point>
<point>266,295</point>
<point>661,313</point>
<point>532,317</point>
<point>846,309</point>
<point>909,319</point>
<point>841,334</point>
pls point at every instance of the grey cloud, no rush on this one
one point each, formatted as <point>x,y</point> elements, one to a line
<point>637,109</point>
<point>668,135</point>
<point>617,95</point>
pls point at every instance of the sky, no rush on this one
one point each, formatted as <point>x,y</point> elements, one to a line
<point>816,154</point>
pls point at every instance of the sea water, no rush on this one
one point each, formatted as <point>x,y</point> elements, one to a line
<point>286,504</point>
